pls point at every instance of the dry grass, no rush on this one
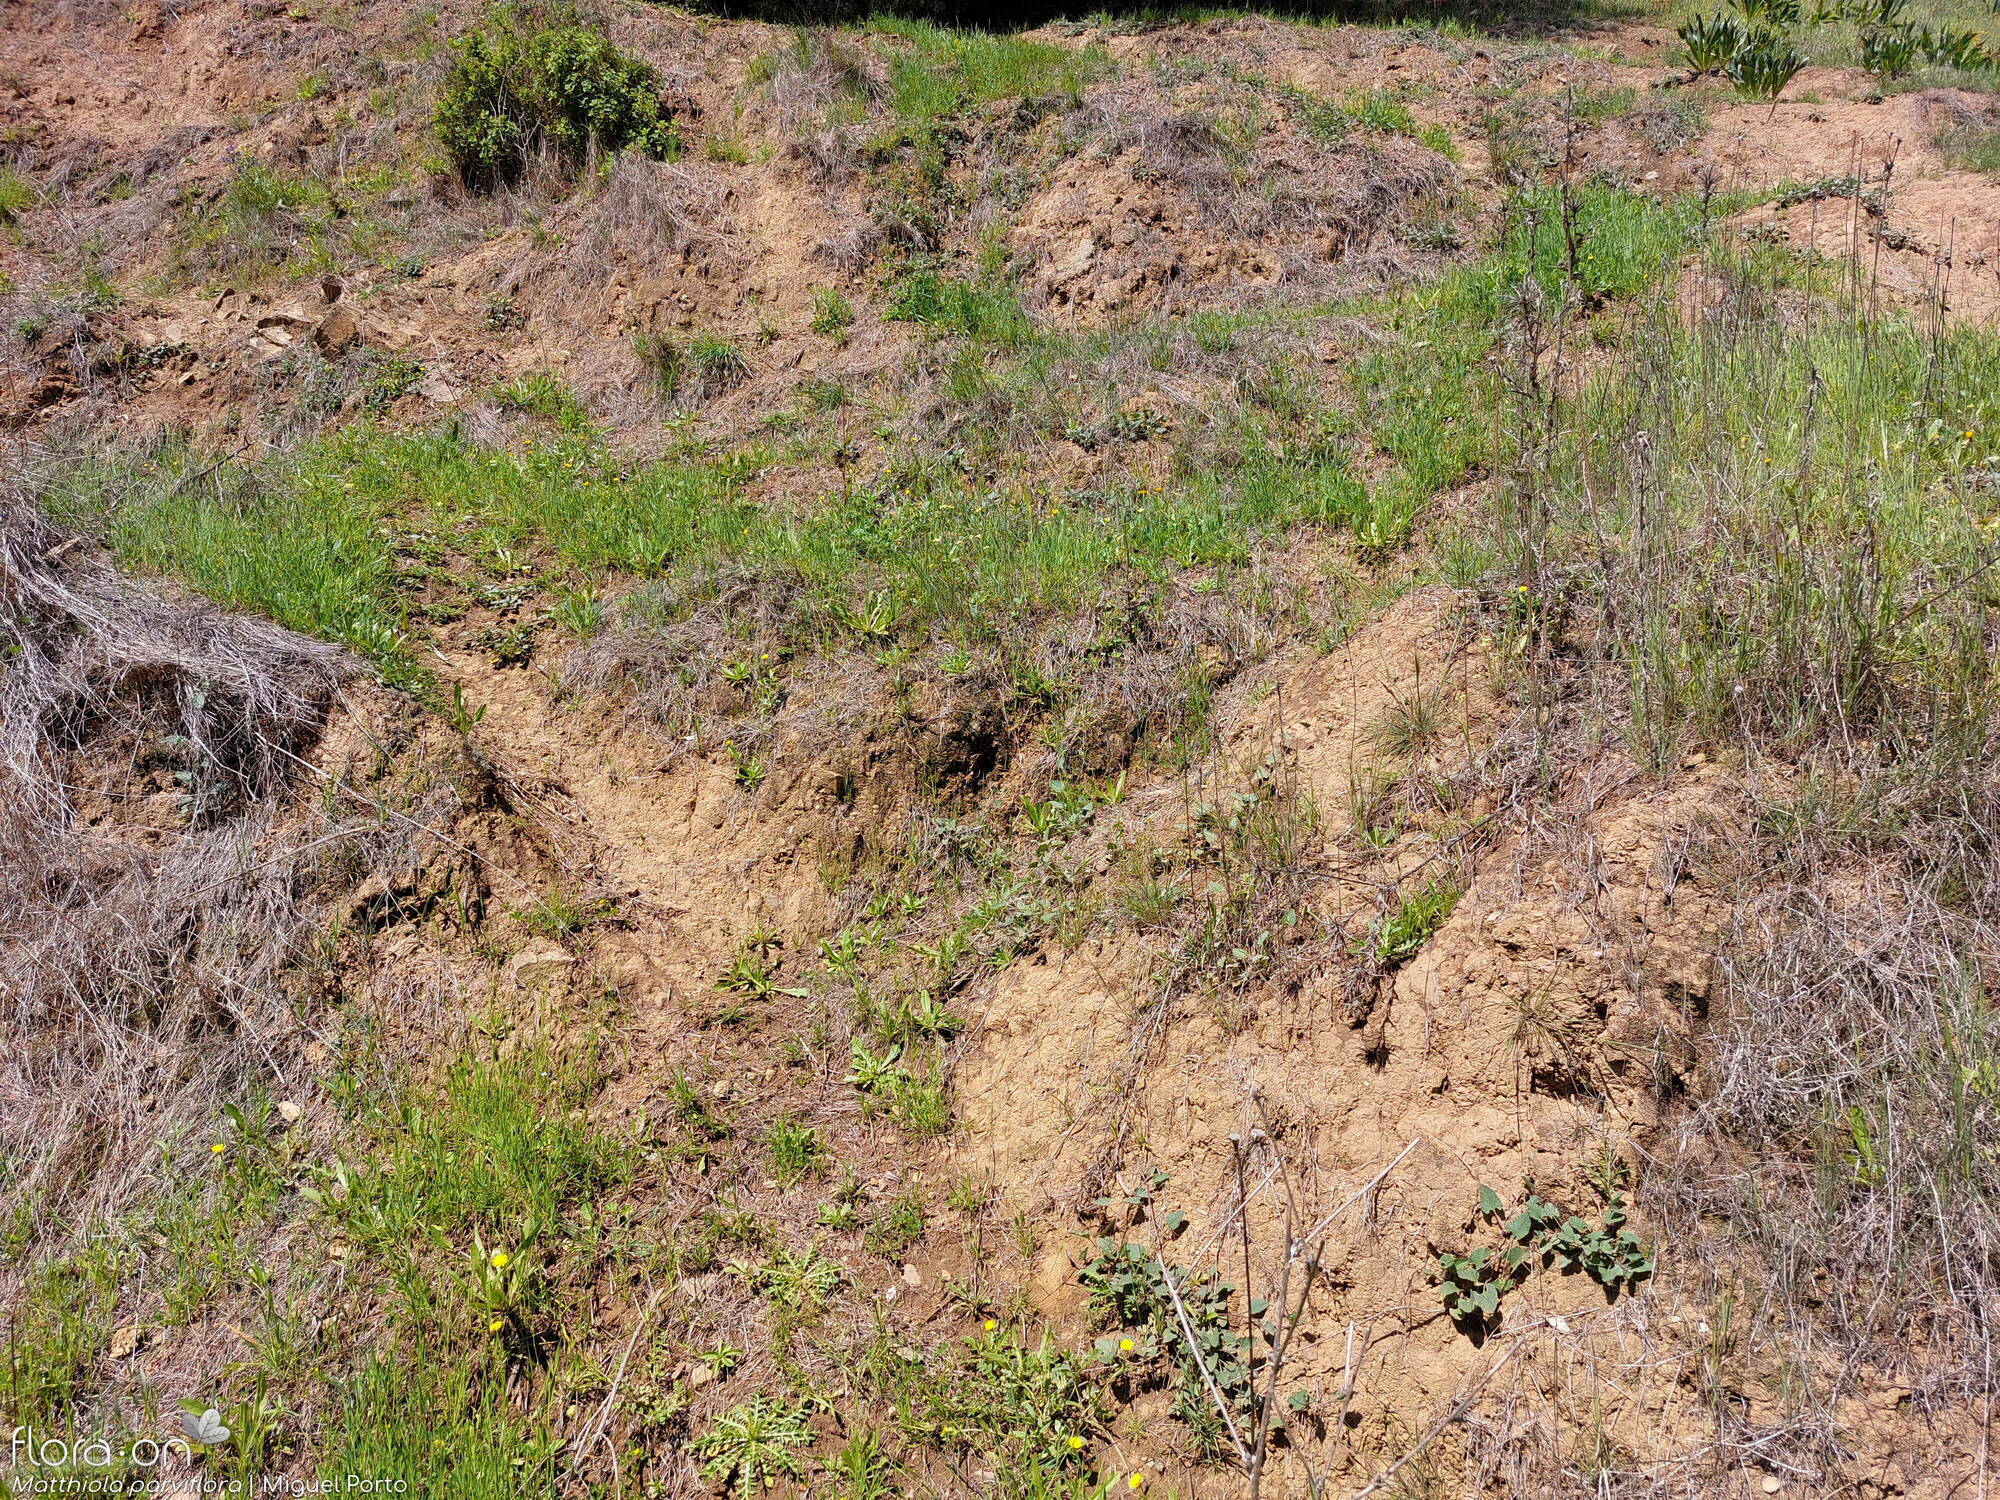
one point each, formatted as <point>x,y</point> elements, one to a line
<point>159,875</point>
<point>819,73</point>
<point>1852,1084</point>
<point>649,213</point>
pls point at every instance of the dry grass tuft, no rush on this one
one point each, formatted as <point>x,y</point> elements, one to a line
<point>816,74</point>
<point>650,213</point>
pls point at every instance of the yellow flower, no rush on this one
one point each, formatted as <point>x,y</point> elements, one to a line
<point>496,1325</point>
<point>991,1325</point>
<point>1075,1443</point>
<point>1136,1480</point>
<point>501,1260</point>
<point>218,1148</point>
<point>1127,1345</point>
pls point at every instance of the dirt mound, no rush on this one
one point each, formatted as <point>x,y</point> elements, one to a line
<point>1163,203</point>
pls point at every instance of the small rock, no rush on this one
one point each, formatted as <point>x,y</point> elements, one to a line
<point>336,330</point>
<point>1771,1485</point>
<point>540,963</point>
<point>438,389</point>
<point>700,1376</point>
<point>125,1341</point>
<point>289,1111</point>
<point>913,1276</point>
<point>1075,262</point>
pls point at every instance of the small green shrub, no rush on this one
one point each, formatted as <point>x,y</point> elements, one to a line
<point>1946,48</point>
<point>545,396</point>
<point>803,1280</point>
<point>1889,51</point>
<point>559,913</point>
<point>514,92</point>
<point>704,367</point>
<point>718,362</point>
<point>1380,109</point>
<point>897,1227</point>
<point>1132,1286</point>
<point>990,314</point>
<point>1472,1285</point>
<point>796,1151</point>
<point>389,380</point>
<point>1397,936</point>
<point>920,1106</point>
<point>752,973</point>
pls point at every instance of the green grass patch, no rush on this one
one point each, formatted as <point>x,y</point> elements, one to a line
<point>442,1421</point>
<point>1428,392</point>
<point>937,73</point>
<point>304,545</point>
<point>1832,520</point>
<point>57,1331</point>
<point>496,1146</point>
<point>354,535</point>
<point>1971,148</point>
<point>985,311</point>
<point>17,196</point>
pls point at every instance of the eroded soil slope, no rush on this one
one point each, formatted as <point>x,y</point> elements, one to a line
<point>1087,761</point>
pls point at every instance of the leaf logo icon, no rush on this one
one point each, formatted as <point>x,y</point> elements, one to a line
<point>205,1427</point>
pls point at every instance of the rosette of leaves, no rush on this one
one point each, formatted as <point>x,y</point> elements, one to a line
<point>1889,51</point>
<point>1711,42</point>
<point>1763,65</point>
